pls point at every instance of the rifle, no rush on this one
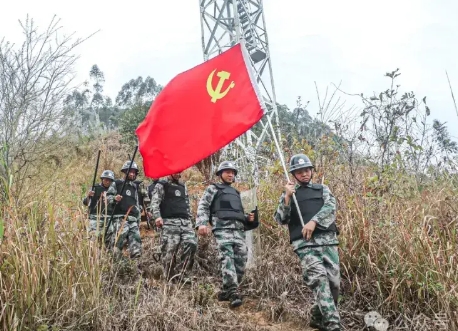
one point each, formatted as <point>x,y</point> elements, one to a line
<point>93,180</point>
<point>120,193</point>
<point>148,219</point>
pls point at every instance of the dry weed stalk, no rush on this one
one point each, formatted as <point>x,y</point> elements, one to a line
<point>399,255</point>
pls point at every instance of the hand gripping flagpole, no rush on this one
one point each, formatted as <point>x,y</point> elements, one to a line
<point>280,153</point>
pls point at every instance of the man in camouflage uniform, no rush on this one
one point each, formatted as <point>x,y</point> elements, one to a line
<point>124,227</point>
<point>221,207</point>
<point>144,201</point>
<point>151,187</point>
<point>315,243</point>
<point>96,200</point>
<point>171,211</point>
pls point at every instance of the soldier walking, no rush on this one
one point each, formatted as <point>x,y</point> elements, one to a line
<point>171,211</point>
<point>221,207</point>
<point>98,213</point>
<point>315,243</point>
<point>124,227</point>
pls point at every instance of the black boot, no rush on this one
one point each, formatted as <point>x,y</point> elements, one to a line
<point>316,324</point>
<point>236,300</point>
<point>223,296</point>
<point>316,319</point>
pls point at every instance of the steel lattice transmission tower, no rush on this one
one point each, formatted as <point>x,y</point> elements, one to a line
<point>224,23</point>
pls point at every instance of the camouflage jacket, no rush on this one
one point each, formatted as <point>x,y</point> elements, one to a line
<point>324,218</point>
<point>158,196</point>
<point>143,196</point>
<point>204,213</point>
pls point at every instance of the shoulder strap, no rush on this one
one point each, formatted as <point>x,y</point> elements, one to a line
<point>164,183</point>
<point>218,185</point>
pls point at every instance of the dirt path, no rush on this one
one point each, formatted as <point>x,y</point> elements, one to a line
<point>260,319</point>
<point>249,312</point>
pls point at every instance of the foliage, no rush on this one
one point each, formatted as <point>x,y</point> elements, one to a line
<point>392,170</point>
<point>130,120</point>
<point>397,252</point>
<point>135,98</point>
<point>93,112</point>
<point>395,127</point>
<point>138,92</point>
<point>34,79</point>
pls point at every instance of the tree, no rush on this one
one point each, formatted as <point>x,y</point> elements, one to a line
<point>138,92</point>
<point>134,100</point>
<point>399,138</point>
<point>34,80</point>
<point>129,121</point>
<point>91,109</point>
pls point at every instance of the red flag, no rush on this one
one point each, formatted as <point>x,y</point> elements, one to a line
<point>198,112</point>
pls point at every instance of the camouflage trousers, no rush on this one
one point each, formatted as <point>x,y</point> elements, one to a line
<point>233,254</point>
<point>176,234</point>
<point>321,273</point>
<point>96,224</point>
<point>129,234</point>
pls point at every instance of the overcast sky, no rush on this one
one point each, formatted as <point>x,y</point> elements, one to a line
<point>353,41</point>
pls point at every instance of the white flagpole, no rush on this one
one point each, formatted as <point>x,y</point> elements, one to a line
<point>280,153</point>
<point>263,106</point>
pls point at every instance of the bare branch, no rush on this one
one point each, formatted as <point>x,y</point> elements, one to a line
<point>451,91</point>
<point>34,80</point>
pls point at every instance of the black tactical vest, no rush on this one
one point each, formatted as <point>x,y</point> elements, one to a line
<point>227,204</point>
<point>310,200</point>
<point>97,202</point>
<point>129,198</point>
<point>174,204</point>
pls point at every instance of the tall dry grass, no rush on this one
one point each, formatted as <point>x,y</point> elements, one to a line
<point>398,249</point>
<point>398,256</point>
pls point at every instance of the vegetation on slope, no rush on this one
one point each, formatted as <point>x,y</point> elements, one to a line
<point>392,170</point>
<point>398,257</point>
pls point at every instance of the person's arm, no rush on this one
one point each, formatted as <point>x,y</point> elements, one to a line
<point>327,214</point>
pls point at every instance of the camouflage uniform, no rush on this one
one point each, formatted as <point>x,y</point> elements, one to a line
<point>319,259</point>
<point>229,234</point>
<point>98,217</point>
<point>176,231</point>
<point>130,232</point>
<point>144,199</point>
<point>98,213</point>
<point>231,241</point>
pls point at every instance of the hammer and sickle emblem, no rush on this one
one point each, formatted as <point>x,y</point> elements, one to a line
<point>216,93</point>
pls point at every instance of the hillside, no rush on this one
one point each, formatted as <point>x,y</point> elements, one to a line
<point>398,256</point>
<point>389,161</point>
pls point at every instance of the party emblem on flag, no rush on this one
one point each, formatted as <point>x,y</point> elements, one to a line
<point>217,94</point>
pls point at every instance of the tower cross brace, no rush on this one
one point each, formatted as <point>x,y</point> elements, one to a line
<point>225,23</point>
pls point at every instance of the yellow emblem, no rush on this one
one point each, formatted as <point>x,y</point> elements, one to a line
<point>216,93</point>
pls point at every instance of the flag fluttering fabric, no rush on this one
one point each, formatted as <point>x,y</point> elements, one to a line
<point>199,112</point>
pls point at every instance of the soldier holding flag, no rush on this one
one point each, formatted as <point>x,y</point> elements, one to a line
<point>316,242</point>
